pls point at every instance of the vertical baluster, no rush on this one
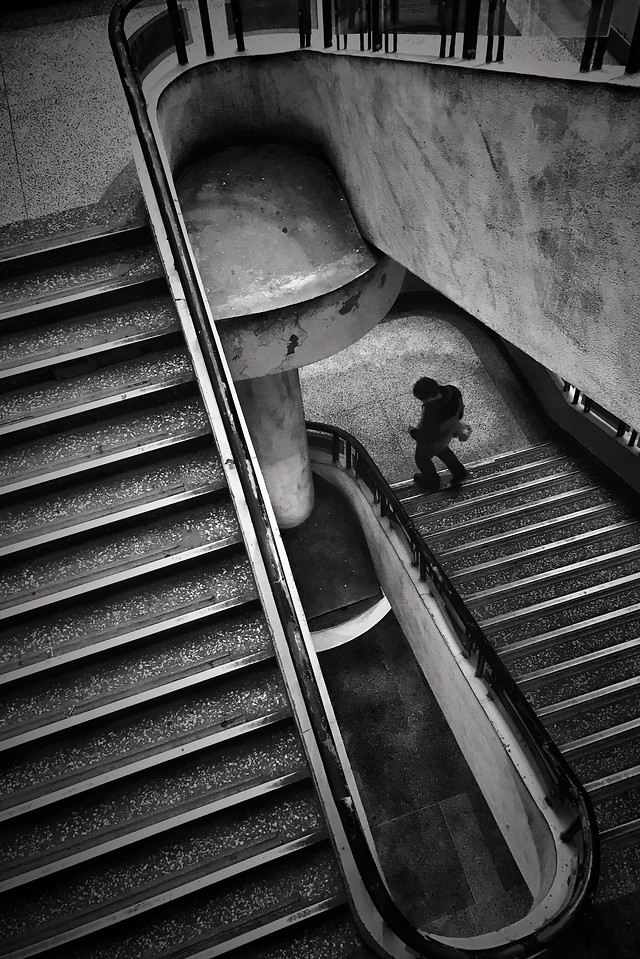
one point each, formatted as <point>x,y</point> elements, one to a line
<point>206,27</point>
<point>177,31</point>
<point>348,452</point>
<point>442,17</point>
<point>590,35</point>
<point>502,14</point>
<point>633,60</point>
<point>576,396</point>
<point>236,13</point>
<point>633,438</point>
<point>335,448</point>
<point>455,10</point>
<point>326,23</point>
<point>622,429</point>
<point>490,27</point>
<point>471,24</point>
<point>376,39</point>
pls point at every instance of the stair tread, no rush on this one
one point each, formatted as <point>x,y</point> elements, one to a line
<point>111,815</point>
<point>88,333</point>
<point>608,636</point>
<point>610,760</point>
<point>618,809</point>
<point>120,552</point>
<point>125,881</point>
<point>83,446</point>
<point>88,755</point>
<point>269,894</point>
<point>40,286</point>
<point>128,489</point>
<point>153,371</point>
<point>600,676</point>
<point>133,670</point>
<point>110,619</point>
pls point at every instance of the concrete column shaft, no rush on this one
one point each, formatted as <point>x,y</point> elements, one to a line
<point>273,409</point>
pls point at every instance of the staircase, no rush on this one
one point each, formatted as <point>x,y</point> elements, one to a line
<point>155,798</point>
<point>545,551</point>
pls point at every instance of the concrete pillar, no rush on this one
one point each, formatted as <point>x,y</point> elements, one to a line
<point>273,409</point>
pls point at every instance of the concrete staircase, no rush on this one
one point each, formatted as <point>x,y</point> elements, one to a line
<point>545,551</point>
<point>155,798</point>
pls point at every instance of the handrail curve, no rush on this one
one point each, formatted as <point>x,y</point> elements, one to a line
<point>280,585</point>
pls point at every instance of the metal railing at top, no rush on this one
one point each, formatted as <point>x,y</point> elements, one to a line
<point>613,422</point>
<point>377,23</point>
<point>279,582</point>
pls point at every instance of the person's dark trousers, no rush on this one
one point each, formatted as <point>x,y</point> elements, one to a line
<point>428,477</point>
<point>452,463</point>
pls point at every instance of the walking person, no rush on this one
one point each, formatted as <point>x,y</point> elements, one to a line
<point>440,422</point>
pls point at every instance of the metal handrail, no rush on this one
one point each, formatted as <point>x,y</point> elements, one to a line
<point>278,577</point>
<point>489,666</point>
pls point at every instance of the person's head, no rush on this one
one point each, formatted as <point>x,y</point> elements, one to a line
<point>448,398</point>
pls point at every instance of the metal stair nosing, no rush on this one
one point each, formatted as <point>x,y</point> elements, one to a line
<point>110,346</point>
<point>625,834</point>
<point>93,295</point>
<point>614,784</point>
<point>262,931</point>
<point>474,481</point>
<point>568,708</point>
<point>107,401</point>
<point>21,736</point>
<point>66,932</point>
<point>122,575</point>
<point>525,613</point>
<point>26,256</point>
<point>497,495</point>
<point>604,739</point>
<point>102,461</point>
<point>498,458</point>
<point>556,637</point>
<point>36,666</point>
<point>151,507</point>
<point>72,856</point>
<point>549,674</point>
<point>555,546</point>
<point>556,573</point>
<point>503,516</point>
<point>233,727</point>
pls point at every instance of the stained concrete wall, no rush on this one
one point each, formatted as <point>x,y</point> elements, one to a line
<point>514,196</point>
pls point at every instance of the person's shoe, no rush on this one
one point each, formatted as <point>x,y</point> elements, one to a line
<point>458,478</point>
<point>420,481</point>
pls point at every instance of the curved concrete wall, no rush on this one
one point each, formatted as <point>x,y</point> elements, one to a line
<point>515,196</point>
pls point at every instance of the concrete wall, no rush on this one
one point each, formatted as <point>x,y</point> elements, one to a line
<point>515,196</point>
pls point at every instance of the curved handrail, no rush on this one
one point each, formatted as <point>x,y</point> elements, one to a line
<point>564,782</point>
<point>280,585</point>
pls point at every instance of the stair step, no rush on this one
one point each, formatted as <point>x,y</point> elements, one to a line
<point>31,256</point>
<point>48,290</point>
<point>86,507</point>
<point>185,860</point>
<point>616,796</point>
<point>595,717</point>
<point>579,547</point>
<point>132,810</point>
<point>115,440</point>
<point>526,529</point>
<point>622,664</point>
<point>161,667</point>
<point>603,740</point>
<point>609,761</point>
<point>117,557</point>
<point>571,669</point>
<point>155,373</point>
<point>472,528</point>
<point>493,466</point>
<point>178,599</point>
<point>555,588</point>
<point>591,701</point>
<point>537,625</point>
<point>278,899</point>
<point>482,497</point>
<point>87,757</point>
<point>87,336</point>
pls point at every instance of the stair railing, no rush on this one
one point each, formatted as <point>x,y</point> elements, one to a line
<point>562,781</point>
<point>280,582</point>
